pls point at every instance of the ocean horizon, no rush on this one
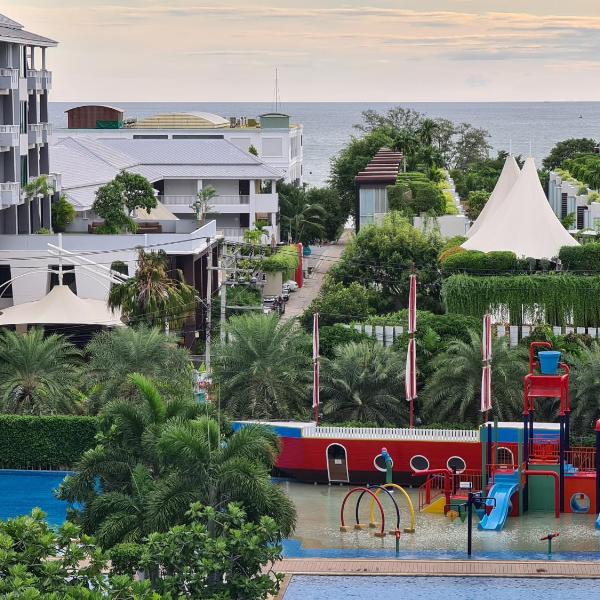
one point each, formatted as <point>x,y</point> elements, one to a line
<point>328,126</point>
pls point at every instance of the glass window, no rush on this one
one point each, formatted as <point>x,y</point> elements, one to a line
<point>24,170</point>
<point>5,287</point>
<point>456,464</point>
<point>419,463</point>
<point>68,277</point>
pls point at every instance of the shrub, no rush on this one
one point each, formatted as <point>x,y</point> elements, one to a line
<point>48,442</point>
<point>476,201</point>
<point>414,194</point>
<point>63,214</point>
<point>484,262</point>
<point>284,260</point>
<point>448,252</point>
<point>126,558</point>
<point>581,258</point>
<point>332,336</point>
<point>453,241</point>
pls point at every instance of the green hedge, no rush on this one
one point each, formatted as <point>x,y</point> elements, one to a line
<point>581,258</point>
<point>564,299</point>
<point>54,442</point>
<point>483,262</point>
<point>414,194</point>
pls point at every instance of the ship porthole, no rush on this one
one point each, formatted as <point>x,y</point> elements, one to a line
<point>456,464</point>
<point>379,463</point>
<point>419,463</point>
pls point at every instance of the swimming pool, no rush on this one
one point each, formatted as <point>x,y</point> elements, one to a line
<point>305,587</point>
<point>21,491</point>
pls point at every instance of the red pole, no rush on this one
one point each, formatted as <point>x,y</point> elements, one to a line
<point>410,419</point>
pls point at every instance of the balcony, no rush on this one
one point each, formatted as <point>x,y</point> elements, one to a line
<point>38,81</point>
<point>224,203</point>
<point>9,194</point>
<point>38,133</point>
<point>9,136</point>
<point>9,80</point>
<point>231,200</point>
<point>232,234</point>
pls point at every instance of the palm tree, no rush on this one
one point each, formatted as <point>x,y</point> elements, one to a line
<point>154,296</point>
<point>304,221</point>
<point>585,381</point>
<point>264,370</point>
<point>112,355</point>
<point>157,456</point>
<point>453,391</point>
<point>39,375</point>
<point>364,382</point>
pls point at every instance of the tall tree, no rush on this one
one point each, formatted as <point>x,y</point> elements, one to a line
<point>585,381</point>
<point>264,370</point>
<point>302,220</point>
<point>364,382</point>
<point>571,148</point>
<point>452,393</point>
<point>154,296</point>
<point>39,374</point>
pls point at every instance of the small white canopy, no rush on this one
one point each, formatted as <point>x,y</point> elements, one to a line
<point>61,307</point>
<point>524,223</point>
<point>508,177</point>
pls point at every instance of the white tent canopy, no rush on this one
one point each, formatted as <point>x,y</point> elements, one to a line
<point>524,223</point>
<point>61,307</point>
<point>508,177</point>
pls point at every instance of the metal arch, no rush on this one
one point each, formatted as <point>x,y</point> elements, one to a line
<point>379,488</point>
<point>411,507</point>
<point>368,491</point>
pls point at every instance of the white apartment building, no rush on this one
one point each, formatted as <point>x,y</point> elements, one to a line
<point>569,197</point>
<point>278,143</point>
<point>24,130</point>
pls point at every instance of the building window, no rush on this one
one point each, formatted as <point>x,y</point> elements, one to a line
<point>191,136</point>
<point>68,277</point>
<point>24,120</point>
<point>419,463</point>
<point>150,137</point>
<point>505,456</point>
<point>6,290</point>
<point>379,463</point>
<point>372,201</point>
<point>24,170</point>
<point>456,464</point>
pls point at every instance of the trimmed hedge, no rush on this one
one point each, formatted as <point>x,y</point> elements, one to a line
<point>581,258</point>
<point>414,194</point>
<point>485,262</point>
<point>54,442</point>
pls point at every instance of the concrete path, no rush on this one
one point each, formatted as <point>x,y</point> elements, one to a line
<point>324,257</point>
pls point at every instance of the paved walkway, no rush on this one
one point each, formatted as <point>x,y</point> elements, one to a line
<point>443,568</point>
<point>325,257</point>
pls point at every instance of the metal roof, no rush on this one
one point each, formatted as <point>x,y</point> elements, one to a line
<point>81,106</point>
<point>11,31</point>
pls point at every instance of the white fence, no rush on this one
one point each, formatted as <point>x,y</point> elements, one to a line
<point>387,334</point>
<point>389,433</point>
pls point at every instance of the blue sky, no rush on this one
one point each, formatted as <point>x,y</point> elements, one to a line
<point>227,50</point>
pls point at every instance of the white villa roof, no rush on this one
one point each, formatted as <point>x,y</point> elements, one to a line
<point>86,163</point>
<point>508,177</point>
<point>61,307</point>
<point>11,31</point>
<point>524,223</point>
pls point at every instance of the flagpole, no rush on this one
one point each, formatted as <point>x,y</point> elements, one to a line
<point>316,386</point>
<point>412,310</point>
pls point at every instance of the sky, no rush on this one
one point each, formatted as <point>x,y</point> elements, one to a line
<point>324,50</point>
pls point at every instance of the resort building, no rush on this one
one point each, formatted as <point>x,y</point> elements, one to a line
<point>567,196</point>
<point>24,129</point>
<point>179,169</point>
<point>277,142</point>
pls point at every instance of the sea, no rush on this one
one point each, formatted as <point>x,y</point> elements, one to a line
<point>524,127</point>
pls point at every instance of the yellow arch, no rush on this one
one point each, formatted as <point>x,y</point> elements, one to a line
<point>411,508</point>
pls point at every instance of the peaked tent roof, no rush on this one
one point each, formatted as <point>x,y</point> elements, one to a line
<point>524,224</point>
<point>508,177</point>
<point>60,306</point>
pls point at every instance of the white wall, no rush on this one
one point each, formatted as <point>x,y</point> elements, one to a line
<point>181,187</point>
<point>224,187</point>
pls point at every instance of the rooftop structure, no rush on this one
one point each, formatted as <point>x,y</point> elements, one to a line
<point>194,120</point>
<point>523,223</point>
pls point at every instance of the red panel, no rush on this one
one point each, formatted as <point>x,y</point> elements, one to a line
<point>585,484</point>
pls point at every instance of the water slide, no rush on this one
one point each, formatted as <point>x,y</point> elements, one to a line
<point>506,485</point>
<point>598,522</point>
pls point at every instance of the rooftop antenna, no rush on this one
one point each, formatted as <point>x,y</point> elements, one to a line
<point>510,146</point>
<point>276,90</point>
<point>530,148</point>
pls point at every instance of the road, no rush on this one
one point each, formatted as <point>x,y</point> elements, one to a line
<point>325,257</point>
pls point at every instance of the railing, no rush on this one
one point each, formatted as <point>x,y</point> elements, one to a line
<point>216,200</point>
<point>583,459</point>
<point>232,233</point>
<point>174,200</point>
<point>9,135</point>
<point>9,186</point>
<point>544,449</point>
<point>9,129</point>
<point>13,74</point>
<point>389,433</point>
<point>430,490</point>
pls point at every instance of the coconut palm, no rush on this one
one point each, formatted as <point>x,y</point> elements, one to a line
<point>585,383</point>
<point>155,296</point>
<point>264,370</point>
<point>39,375</point>
<point>157,456</point>
<point>453,391</point>
<point>304,221</point>
<point>364,382</point>
<point>112,355</point>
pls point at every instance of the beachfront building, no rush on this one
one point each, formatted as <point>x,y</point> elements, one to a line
<point>24,129</point>
<point>277,141</point>
<point>568,196</point>
<point>246,188</point>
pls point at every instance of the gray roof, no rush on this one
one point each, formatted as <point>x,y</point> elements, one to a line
<point>11,31</point>
<point>86,163</point>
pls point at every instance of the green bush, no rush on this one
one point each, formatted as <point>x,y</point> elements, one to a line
<point>586,168</point>
<point>414,194</point>
<point>331,336</point>
<point>581,258</point>
<point>284,260</point>
<point>126,558</point>
<point>44,442</point>
<point>484,262</point>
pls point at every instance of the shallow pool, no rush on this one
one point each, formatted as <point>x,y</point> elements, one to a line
<point>21,491</point>
<point>429,588</point>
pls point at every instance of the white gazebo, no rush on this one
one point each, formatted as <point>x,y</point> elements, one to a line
<point>508,177</point>
<point>523,222</point>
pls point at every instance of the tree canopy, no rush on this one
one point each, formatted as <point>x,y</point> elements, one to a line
<point>567,149</point>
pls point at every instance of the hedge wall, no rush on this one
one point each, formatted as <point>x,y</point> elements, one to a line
<point>560,299</point>
<point>484,262</point>
<point>54,442</point>
<point>581,258</point>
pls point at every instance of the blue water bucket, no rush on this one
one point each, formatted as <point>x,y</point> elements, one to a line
<point>549,360</point>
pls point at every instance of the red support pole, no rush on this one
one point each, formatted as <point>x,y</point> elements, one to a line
<point>411,415</point>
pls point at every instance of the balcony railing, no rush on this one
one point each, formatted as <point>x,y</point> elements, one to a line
<point>9,193</point>
<point>38,80</point>
<point>9,79</point>
<point>217,200</point>
<point>174,200</point>
<point>234,234</point>
<point>9,136</point>
<point>38,133</point>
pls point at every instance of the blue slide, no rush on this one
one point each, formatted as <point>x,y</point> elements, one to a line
<point>506,485</point>
<point>598,522</point>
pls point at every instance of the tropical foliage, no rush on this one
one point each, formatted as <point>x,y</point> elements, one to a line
<point>453,391</point>
<point>585,168</point>
<point>585,380</point>
<point>63,214</point>
<point>39,375</point>
<point>264,370</point>
<point>364,382</point>
<point>476,201</point>
<point>567,149</point>
<point>155,457</point>
<point>155,295</point>
<point>301,219</point>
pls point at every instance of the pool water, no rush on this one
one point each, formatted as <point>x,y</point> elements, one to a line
<point>21,491</point>
<point>307,587</point>
<point>317,531</point>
